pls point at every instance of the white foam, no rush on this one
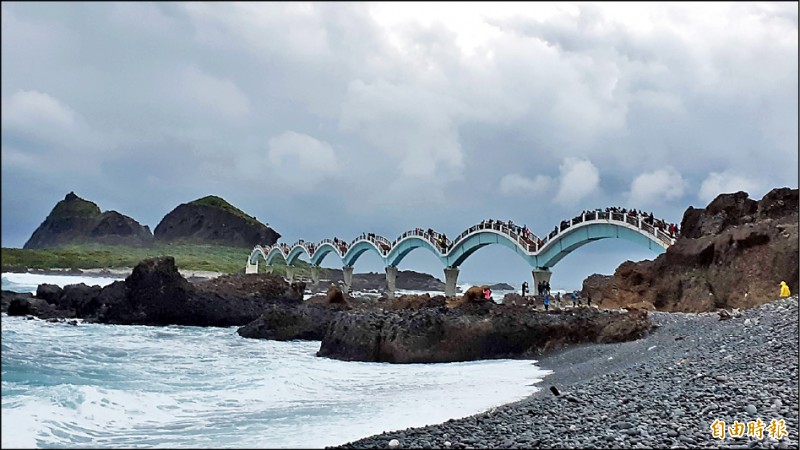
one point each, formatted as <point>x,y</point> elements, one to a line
<point>28,282</point>
<point>136,386</point>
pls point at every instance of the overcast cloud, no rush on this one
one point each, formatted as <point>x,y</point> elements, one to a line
<point>332,119</point>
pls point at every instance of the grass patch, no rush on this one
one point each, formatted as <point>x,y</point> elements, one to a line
<point>217,202</point>
<point>213,258</point>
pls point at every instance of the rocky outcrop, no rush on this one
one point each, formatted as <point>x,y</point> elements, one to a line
<point>156,294</point>
<point>78,221</point>
<point>212,220</point>
<point>443,334</point>
<point>406,279</point>
<point>732,254</point>
<point>307,321</point>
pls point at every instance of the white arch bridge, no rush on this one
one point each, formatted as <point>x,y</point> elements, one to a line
<point>541,253</point>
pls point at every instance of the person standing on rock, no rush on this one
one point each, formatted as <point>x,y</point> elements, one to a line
<point>785,290</point>
<point>524,288</point>
<point>546,301</point>
<point>589,299</point>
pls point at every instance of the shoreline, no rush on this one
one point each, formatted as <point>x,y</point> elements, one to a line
<point>664,390</point>
<point>121,272</point>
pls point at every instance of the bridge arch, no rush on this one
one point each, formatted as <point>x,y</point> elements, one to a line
<point>258,250</point>
<point>541,254</point>
<point>322,251</point>
<point>274,252</point>
<point>296,251</point>
<point>357,248</point>
<point>406,244</point>
<point>480,238</point>
<point>580,234</point>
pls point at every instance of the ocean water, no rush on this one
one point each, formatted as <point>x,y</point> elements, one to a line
<point>136,386</point>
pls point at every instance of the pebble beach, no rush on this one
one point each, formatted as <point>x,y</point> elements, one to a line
<point>666,390</point>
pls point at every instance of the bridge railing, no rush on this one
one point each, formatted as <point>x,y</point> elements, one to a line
<point>530,244</point>
<point>634,220</point>
<point>340,245</point>
<point>430,237</point>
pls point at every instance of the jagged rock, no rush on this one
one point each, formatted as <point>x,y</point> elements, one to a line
<point>212,220</point>
<point>156,294</point>
<point>283,321</point>
<point>732,254</point>
<point>76,221</point>
<point>458,334</point>
<point>405,279</point>
<point>50,293</point>
<point>415,302</point>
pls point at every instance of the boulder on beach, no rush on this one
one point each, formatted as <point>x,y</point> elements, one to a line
<point>458,334</point>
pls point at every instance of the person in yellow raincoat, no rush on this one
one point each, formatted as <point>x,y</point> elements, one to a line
<point>785,289</point>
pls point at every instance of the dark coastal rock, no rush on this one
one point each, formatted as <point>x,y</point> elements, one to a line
<point>50,293</point>
<point>501,287</point>
<point>282,322</point>
<point>462,333</point>
<point>212,220</point>
<point>297,320</point>
<point>722,212</point>
<point>406,279</point>
<point>732,254</point>
<point>9,296</point>
<point>156,294</point>
<point>77,221</point>
<point>32,306</point>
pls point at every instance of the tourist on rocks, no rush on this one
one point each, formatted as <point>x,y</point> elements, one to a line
<point>589,299</point>
<point>524,288</point>
<point>785,290</point>
<point>574,296</point>
<point>547,287</point>
<point>546,301</point>
<point>487,294</point>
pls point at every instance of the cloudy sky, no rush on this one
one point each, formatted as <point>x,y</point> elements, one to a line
<point>333,119</point>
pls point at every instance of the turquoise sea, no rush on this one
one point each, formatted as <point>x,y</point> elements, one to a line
<point>106,386</point>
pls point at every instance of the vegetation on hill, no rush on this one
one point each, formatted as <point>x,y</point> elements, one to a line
<point>74,206</point>
<point>217,202</point>
<point>211,258</point>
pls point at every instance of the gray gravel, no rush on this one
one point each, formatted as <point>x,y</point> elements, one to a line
<point>663,391</point>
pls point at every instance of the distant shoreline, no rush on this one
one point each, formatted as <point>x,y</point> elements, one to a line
<point>122,272</point>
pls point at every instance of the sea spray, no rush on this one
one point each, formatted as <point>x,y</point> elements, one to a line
<point>129,386</point>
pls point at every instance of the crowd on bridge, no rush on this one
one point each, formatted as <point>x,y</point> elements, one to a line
<point>435,237</point>
<point>522,232</point>
<point>671,229</point>
<point>372,237</point>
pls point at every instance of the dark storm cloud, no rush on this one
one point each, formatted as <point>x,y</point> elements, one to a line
<point>338,118</point>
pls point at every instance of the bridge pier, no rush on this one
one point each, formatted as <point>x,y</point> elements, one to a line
<point>290,273</point>
<point>347,274</point>
<point>450,278</point>
<point>541,274</point>
<point>315,274</point>
<point>251,268</point>
<point>391,277</point>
